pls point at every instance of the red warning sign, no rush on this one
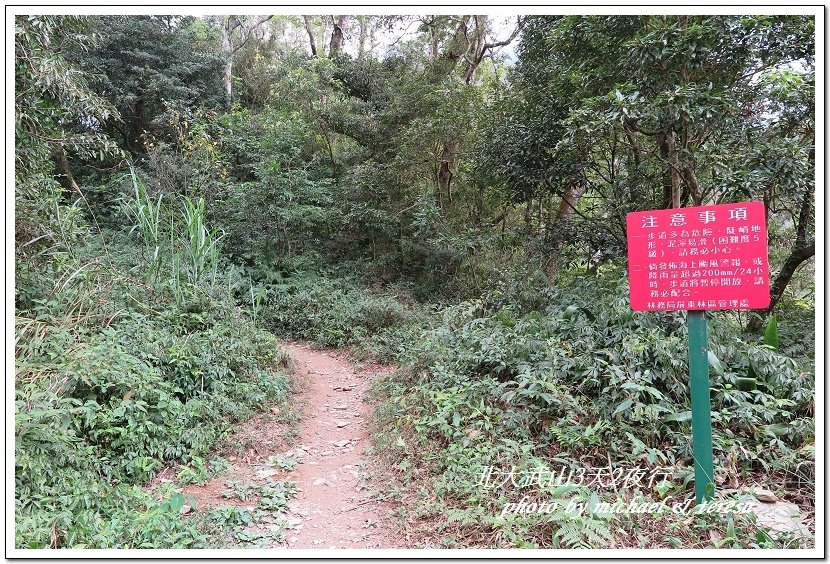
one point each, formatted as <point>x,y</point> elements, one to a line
<point>708,257</point>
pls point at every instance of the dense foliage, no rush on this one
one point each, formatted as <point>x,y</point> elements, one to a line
<point>188,188</point>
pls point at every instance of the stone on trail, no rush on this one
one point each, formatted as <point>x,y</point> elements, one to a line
<point>342,443</point>
<point>779,517</point>
<point>764,495</point>
<point>267,472</point>
<point>341,423</point>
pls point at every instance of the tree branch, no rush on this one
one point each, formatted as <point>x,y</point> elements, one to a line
<point>519,25</point>
<point>248,32</point>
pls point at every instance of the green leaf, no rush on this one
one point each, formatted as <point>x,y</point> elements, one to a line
<point>771,334</point>
<point>624,406</point>
<point>176,502</point>
<point>747,384</point>
<point>663,487</point>
<point>777,429</point>
<point>715,363</point>
<point>680,416</point>
<point>572,309</point>
<point>730,527</point>
<point>762,538</point>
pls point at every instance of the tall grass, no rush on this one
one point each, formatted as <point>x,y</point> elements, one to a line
<point>201,248</point>
<point>194,249</point>
<point>146,213</point>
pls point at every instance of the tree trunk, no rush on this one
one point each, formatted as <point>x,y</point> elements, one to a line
<point>67,180</point>
<point>803,249</point>
<point>443,66</point>
<point>310,36</point>
<point>433,44</point>
<point>635,150</point>
<point>476,49</point>
<point>446,165</point>
<point>361,45</point>
<point>337,36</point>
<point>229,25</point>
<point>569,201</point>
<point>460,47</point>
<point>667,143</point>
<point>227,49</point>
<point>674,170</point>
<point>134,144</point>
<point>445,63</point>
<point>690,176</point>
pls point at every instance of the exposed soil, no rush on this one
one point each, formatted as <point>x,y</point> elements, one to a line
<point>336,504</point>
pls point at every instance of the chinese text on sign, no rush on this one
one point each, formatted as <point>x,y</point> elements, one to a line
<point>703,258</point>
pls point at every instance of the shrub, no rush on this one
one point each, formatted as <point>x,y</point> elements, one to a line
<point>568,374</point>
<point>116,378</point>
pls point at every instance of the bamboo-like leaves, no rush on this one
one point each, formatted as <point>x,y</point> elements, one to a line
<point>146,213</point>
<point>201,245</point>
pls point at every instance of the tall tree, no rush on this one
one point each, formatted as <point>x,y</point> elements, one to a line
<point>646,111</point>
<point>147,66</point>
<point>236,32</point>
<point>467,43</point>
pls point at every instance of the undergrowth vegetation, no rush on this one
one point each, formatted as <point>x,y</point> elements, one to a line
<point>134,358</point>
<point>306,302</point>
<point>568,378</point>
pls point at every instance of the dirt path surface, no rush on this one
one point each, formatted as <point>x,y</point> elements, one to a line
<point>337,508</point>
<point>305,487</point>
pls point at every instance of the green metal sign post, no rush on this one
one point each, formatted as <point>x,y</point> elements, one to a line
<point>699,259</point>
<point>701,405</point>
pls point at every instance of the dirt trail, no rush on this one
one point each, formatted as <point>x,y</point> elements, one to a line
<point>335,504</point>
